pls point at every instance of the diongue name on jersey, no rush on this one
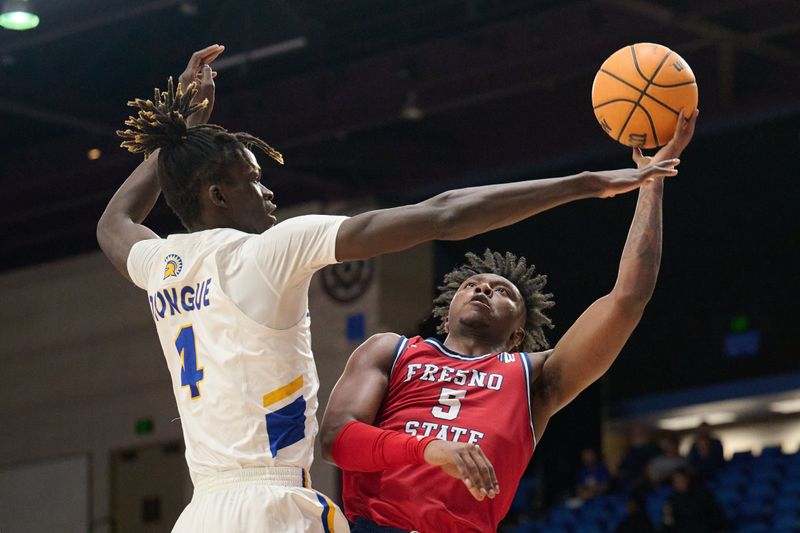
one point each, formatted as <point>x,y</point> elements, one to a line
<point>179,300</point>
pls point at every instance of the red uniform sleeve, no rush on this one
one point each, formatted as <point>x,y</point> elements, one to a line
<point>360,447</point>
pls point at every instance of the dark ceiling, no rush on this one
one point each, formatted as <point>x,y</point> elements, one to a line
<point>394,100</point>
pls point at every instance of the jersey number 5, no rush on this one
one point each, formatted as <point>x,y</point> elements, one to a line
<point>450,398</point>
<point>190,374</point>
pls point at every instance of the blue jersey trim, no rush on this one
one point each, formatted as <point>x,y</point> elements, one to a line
<point>399,348</point>
<point>326,509</point>
<point>286,425</point>
<point>455,355</point>
<point>526,367</point>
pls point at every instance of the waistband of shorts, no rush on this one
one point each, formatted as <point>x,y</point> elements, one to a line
<point>278,476</point>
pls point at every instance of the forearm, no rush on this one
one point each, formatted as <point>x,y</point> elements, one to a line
<point>138,194</point>
<point>360,447</point>
<point>641,257</point>
<point>119,227</point>
<point>457,214</point>
<point>475,210</point>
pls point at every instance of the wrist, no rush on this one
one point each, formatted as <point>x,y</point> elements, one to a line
<point>429,447</point>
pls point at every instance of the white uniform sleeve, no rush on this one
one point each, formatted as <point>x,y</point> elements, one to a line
<point>141,260</point>
<point>292,251</point>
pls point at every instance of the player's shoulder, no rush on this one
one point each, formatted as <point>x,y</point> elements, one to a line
<point>304,223</point>
<point>378,350</point>
<point>383,342</point>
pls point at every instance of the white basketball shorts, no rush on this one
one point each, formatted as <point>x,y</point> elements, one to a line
<point>259,500</point>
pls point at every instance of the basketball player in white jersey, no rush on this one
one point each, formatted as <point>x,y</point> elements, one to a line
<point>230,298</point>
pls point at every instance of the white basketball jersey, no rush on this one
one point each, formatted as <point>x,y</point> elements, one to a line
<point>246,393</point>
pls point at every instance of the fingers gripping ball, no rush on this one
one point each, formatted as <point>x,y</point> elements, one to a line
<point>639,91</point>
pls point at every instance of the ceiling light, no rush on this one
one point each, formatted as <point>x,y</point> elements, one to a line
<point>411,110</point>
<point>680,423</point>
<point>715,419</point>
<point>18,15</point>
<point>786,406</point>
<point>94,154</point>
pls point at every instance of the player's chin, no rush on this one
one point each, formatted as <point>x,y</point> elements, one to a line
<point>477,320</point>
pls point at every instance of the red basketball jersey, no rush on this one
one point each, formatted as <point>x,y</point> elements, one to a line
<point>434,391</point>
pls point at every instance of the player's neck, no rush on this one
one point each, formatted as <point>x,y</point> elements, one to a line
<point>473,345</point>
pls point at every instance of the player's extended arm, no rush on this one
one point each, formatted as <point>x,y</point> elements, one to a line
<point>462,213</point>
<point>120,226</point>
<point>590,346</point>
<point>350,440</point>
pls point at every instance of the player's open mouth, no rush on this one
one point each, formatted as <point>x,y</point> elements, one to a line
<point>480,301</point>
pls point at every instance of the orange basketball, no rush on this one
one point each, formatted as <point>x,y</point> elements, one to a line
<point>639,91</point>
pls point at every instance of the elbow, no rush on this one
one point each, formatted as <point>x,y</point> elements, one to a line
<point>327,437</point>
<point>634,301</point>
<point>101,232</point>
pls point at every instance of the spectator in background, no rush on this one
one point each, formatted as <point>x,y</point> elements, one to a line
<point>692,508</point>
<point>593,478</point>
<point>635,520</point>
<point>660,468</point>
<point>706,456</point>
<point>632,467</point>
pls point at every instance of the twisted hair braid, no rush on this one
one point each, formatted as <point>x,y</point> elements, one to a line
<point>189,157</point>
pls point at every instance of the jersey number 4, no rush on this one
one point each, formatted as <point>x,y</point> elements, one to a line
<point>190,374</point>
<point>451,399</point>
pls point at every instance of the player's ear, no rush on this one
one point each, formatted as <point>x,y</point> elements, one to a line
<point>216,197</point>
<point>517,337</point>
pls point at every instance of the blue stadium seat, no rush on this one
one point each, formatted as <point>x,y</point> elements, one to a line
<point>787,503</point>
<point>760,491</point>
<point>562,516</point>
<point>771,451</point>
<point>786,520</point>
<point>553,529</point>
<point>521,498</point>
<point>742,457</point>
<point>733,477</point>
<point>754,509</point>
<point>754,527</point>
<point>790,486</point>
<point>587,527</point>
<point>729,494</point>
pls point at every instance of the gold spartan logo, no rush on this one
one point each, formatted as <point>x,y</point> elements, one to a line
<point>173,266</point>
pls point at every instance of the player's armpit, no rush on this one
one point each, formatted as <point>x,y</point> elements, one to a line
<point>359,393</point>
<point>116,235</point>
<point>536,361</point>
<point>583,355</point>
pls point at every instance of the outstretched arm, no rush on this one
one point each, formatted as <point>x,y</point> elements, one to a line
<point>350,440</point>
<point>593,342</point>
<point>120,226</point>
<point>462,213</point>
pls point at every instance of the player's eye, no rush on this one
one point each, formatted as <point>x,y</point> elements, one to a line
<point>502,290</point>
<point>470,284</point>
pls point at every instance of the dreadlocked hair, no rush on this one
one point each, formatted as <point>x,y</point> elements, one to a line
<point>515,270</point>
<point>190,156</point>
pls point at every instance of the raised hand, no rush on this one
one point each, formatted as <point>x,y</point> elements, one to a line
<point>198,70</point>
<point>466,462</point>
<point>684,132</point>
<point>613,182</point>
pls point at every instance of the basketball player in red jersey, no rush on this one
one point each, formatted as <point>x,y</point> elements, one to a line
<point>404,408</point>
